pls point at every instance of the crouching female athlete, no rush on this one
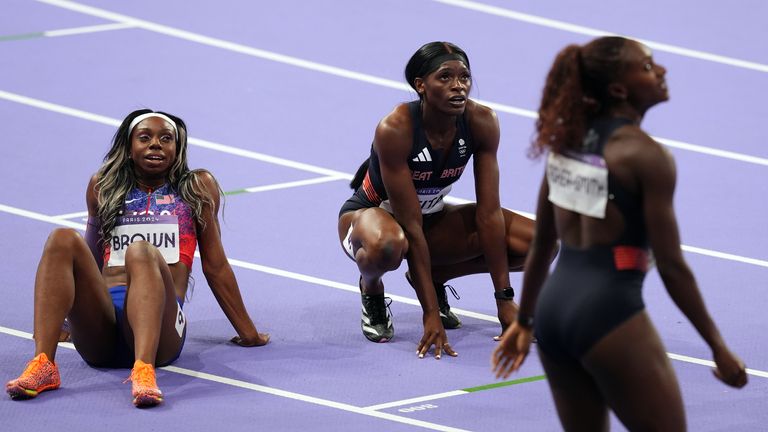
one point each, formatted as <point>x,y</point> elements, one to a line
<point>398,211</point>
<point>147,212</point>
<point>607,195</point>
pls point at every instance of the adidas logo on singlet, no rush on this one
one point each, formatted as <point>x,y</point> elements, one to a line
<point>423,156</point>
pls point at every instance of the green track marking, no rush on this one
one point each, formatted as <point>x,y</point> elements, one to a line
<point>22,36</point>
<point>236,192</point>
<point>504,384</point>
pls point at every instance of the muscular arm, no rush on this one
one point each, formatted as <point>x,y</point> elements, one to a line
<point>219,273</point>
<point>392,143</point>
<point>542,248</point>
<point>489,217</point>
<point>515,343</point>
<point>657,179</point>
<point>656,172</point>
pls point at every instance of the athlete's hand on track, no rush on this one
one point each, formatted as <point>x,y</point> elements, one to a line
<point>260,340</point>
<point>434,334</point>
<point>512,350</point>
<point>730,369</point>
<point>507,313</point>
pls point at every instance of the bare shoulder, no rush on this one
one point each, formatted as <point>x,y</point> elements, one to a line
<point>206,179</point>
<point>638,150</point>
<point>394,133</point>
<point>476,111</point>
<point>396,123</point>
<point>483,123</point>
<point>640,145</point>
<point>91,188</point>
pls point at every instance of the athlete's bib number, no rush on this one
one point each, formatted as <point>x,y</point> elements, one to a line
<point>430,200</point>
<point>577,186</point>
<point>159,231</point>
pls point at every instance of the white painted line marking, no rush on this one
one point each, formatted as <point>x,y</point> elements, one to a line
<point>416,399</point>
<point>75,215</point>
<point>293,184</point>
<point>336,71</point>
<point>578,29</point>
<point>88,29</point>
<point>274,391</point>
<point>326,282</point>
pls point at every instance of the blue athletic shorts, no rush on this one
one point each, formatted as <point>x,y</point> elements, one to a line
<point>124,355</point>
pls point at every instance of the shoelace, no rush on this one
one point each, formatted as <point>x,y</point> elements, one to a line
<point>142,376</point>
<point>375,309</point>
<point>34,365</point>
<point>453,291</point>
<point>442,296</point>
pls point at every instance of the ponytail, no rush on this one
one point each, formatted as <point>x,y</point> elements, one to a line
<point>562,119</point>
<point>576,91</point>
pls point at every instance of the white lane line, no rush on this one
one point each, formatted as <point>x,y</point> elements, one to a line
<point>710,363</point>
<point>87,29</point>
<point>333,70</point>
<point>310,399</point>
<point>41,217</point>
<point>108,121</point>
<point>725,256</point>
<point>416,399</point>
<point>325,282</point>
<point>293,184</point>
<point>265,158</point>
<point>588,31</point>
<point>274,391</point>
<point>299,165</point>
<point>75,215</point>
<point>713,151</point>
<point>85,115</point>
<point>219,43</point>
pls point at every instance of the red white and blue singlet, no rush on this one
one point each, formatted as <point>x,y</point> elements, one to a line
<point>159,217</point>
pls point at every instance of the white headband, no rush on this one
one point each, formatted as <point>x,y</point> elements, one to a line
<point>143,117</point>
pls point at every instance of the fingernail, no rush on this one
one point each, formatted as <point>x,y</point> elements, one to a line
<point>437,357</point>
<point>421,355</point>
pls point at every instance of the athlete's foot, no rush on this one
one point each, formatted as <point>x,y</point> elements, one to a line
<point>40,375</point>
<point>144,385</point>
<point>376,321</point>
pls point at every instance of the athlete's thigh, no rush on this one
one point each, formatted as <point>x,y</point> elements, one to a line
<point>452,234</point>
<point>580,406</point>
<point>634,374</point>
<point>368,225</point>
<point>92,315</point>
<point>519,232</point>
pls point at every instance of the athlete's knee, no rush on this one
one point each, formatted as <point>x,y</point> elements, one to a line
<point>387,252</point>
<point>141,252</point>
<point>62,239</point>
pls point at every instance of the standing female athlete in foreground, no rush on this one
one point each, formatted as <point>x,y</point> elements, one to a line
<point>146,212</point>
<point>607,195</point>
<point>398,211</point>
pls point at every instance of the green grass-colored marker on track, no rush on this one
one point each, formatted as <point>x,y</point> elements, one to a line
<point>22,36</point>
<point>235,192</point>
<point>504,384</point>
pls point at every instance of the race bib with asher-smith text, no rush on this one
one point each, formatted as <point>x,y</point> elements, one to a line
<point>579,185</point>
<point>161,231</point>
